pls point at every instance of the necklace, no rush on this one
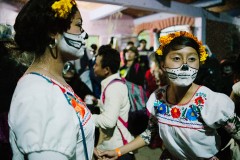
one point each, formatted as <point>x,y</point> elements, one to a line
<point>62,82</point>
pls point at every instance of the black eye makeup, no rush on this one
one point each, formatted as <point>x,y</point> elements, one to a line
<point>79,24</point>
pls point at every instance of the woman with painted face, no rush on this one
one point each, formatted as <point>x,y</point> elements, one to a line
<point>47,119</point>
<point>187,115</point>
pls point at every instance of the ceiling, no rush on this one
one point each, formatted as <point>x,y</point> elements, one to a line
<point>229,7</point>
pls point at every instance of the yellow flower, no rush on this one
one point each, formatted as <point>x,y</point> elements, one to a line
<point>165,40</point>
<point>63,8</point>
<point>159,52</point>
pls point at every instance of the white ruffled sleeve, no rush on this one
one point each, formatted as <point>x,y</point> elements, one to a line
<point>40,118</point>
<point>217,110</point>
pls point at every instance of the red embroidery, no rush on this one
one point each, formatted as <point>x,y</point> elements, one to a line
<point>199,101</point>
<point>175,112</point>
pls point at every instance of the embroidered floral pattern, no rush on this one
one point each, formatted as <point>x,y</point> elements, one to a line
<point>191,114</point>
<point>78,107</point>
<point>175,112</point>
<point>72,99</point>
<point>161,107</point>
<point>185,113</point>
<point>199,100</point>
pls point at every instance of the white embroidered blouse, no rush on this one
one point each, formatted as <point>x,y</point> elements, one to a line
<point>42,118</point>
<point>189,131</point>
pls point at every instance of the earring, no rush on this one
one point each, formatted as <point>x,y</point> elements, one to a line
<point>51,47</point>
<point>53,44</point>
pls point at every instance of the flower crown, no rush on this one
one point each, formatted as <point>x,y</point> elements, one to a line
<point>62,8</point>
<point>165,40</point>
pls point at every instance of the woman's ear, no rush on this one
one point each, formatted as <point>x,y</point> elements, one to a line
<point>162,66</point>
<point>53,36</point>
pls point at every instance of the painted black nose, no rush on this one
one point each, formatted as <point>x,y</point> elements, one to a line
<point>86,37</point>
<point>185,67</point>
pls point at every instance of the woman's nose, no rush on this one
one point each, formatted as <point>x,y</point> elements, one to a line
<point>84,34</point>
<point>184,67</point>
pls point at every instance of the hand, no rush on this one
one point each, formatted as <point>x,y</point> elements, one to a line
<point>96,153</point>
<point>90,100</point>
<point>108,155</point>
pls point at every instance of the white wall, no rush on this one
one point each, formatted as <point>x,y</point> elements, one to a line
<point>8,13</point>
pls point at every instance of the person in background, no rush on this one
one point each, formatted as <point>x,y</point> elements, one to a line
<point>114,103</point>
<point>143,54</point>
<point>187,114</point>
<point>142,45</point>
<point>95,81</point>
<point>72,78</point>
<point>235,96</point>
<point>132,70</point>
<point>154,76</point>
<point>227,75</point>
<point>129,44</point>
<point>47,119</point>
<point>10,72</point>
<point>235,93</point>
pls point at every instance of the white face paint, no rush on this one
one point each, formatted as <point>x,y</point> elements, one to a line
<point>73,44</point>
<point>182,76</point>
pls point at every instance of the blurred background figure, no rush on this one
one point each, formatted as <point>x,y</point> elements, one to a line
<point>227,75</point>
<point>143,54</point>
<point>154,76</point>
<point>130,44</point>
<point>95,81</point>
<point>142,45</point>
<point>209,75</point>
<point>72,78</point>
<point>132,70</point>
<point>10,72</point>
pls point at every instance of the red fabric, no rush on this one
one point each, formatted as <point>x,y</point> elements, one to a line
<point>151,83</point>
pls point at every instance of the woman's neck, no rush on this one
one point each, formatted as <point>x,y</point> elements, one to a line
<point>129,63</point>
<point>48,66</point>
<point>180,95</point>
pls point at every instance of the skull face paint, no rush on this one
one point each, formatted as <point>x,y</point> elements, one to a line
<point>73,44</point>
<point>182,76</point>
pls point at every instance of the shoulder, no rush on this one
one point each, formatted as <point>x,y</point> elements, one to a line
<point>236,88</point>
<point>117,86</point>
<point>32,85</point>
<point>206,92</point>
<point>214,102</point>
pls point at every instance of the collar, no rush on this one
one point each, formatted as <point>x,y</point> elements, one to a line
<point>107,80</point>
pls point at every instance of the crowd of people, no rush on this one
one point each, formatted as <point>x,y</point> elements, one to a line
<point>70,102</point>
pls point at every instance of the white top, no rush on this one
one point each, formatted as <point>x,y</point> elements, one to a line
<point>116,104</point>
<point>189,131</point>
<point>42,120</point>
<point>236,88</point>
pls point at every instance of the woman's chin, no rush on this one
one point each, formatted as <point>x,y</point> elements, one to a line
<point>70,57</point>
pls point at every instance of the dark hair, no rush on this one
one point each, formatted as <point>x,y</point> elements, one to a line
<point>110,58</point>
<point>142,41</point>
<point>94,46</point>
<point>10,72</point>
<point>178,43</point>
<point>130,43</point>
<point>133,49</point>
<point>35,22</point>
